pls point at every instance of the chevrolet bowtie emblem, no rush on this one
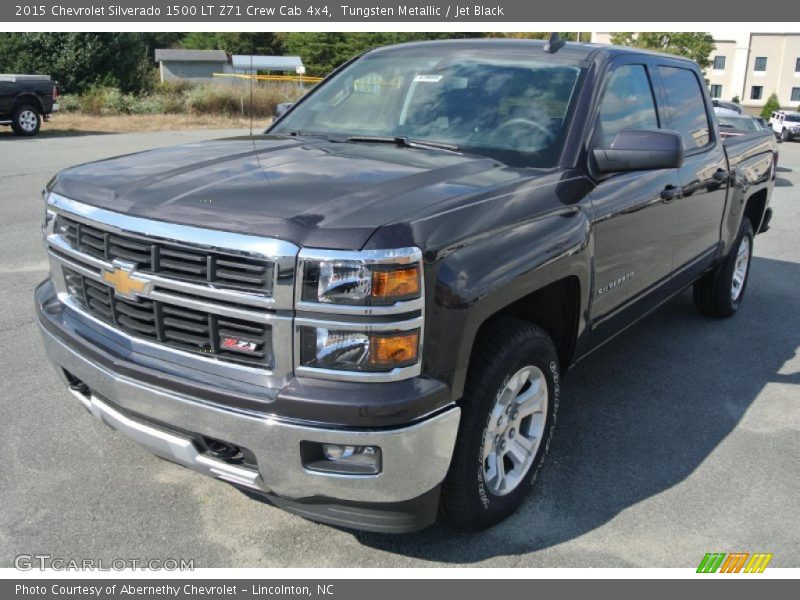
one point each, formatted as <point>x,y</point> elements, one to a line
<point>123,279</point>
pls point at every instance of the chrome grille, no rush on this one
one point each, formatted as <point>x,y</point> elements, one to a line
<point>215,302</point>
<point>169,260</point>
<point>177,326</point>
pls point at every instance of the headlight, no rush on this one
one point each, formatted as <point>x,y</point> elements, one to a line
<point>49,215</point>
<point>345,350</point>
<point>360,314</point>
<point>371,278</point>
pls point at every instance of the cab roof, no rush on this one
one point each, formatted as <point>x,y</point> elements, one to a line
<point>576,51</point>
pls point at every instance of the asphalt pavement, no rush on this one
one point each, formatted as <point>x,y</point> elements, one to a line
<point>680,437</point>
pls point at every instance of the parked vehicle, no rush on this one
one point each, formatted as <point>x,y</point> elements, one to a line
<point>785,125</point>
<point>26,100</point>
<point>733,126</point>
<point>364,314</point>
<point>763,122</point>
<point>731,106</point>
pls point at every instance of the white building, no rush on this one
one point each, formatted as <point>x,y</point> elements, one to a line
<point>751,66</point>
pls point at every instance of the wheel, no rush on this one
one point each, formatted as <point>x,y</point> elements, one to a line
<point>26,120</point>
<point>719,293</point>
<point>508,417</point>
<point>785,135</point>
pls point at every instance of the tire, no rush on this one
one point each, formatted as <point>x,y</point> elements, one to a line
<point>472,496</point>
<point>785,137</point>
<point>719,293</point>
<point>26,120</point>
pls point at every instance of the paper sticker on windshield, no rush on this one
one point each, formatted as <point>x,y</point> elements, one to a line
<point>428,78</point>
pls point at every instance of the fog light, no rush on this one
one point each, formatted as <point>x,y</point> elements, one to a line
<point>341,459</point>
<point>336,452</point>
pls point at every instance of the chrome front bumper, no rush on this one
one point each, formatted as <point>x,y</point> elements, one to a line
<point>415,457</point>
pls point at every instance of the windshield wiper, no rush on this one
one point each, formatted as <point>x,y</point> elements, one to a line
<point>403,141</point>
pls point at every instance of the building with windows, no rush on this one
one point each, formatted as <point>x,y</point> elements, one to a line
<point>751,66</point>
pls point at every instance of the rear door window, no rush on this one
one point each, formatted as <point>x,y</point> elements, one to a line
<point>685,106</point>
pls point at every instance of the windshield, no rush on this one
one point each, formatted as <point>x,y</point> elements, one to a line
<point>505,106</point>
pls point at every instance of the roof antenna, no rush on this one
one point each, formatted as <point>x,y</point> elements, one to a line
<point>553,44</point>
<point>252,78</point>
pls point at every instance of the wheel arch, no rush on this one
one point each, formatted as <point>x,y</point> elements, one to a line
<point>555,308</point>
<point>755,208</point>
<point>31,99</point>
<point>548,285</point>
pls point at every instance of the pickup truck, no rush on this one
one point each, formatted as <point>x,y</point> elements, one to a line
<point>364,314</point>
<point>25,100</point>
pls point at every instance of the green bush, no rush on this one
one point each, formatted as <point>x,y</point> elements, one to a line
<point>215,100</point>
<point>240,99</point>
<point>773,104</point>
<point>69,102</point>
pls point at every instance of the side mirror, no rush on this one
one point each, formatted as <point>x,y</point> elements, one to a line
<point>640,150</point>
<point>282,108</point>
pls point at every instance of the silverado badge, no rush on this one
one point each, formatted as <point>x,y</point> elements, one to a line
<point>123,279</point>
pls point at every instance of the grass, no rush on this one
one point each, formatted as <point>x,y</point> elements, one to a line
<point>71,122</point>
<point>185,98</point>
<point>170,106</point>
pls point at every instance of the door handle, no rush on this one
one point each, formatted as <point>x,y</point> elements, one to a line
<point>721,175</point>
<point>671,192</point>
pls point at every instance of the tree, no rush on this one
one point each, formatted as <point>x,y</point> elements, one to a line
<point>199,40</point>
<point>323,52</point>
<point>79,60</point>
<point>773,104</point>
<point>736,100</point>
<point>232,42</point>
<point>694,45</point>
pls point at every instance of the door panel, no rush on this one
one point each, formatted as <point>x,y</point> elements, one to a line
<point>634,233</point>
<point>704,185</point>
<point>704,173</point>
<point>635,214</point>
<point>5,97</point>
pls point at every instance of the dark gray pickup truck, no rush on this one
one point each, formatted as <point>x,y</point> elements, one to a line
<point>25,100</point>
<point>364,314</point>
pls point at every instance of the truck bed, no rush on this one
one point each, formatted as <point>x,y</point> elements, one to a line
<point>12,78</point>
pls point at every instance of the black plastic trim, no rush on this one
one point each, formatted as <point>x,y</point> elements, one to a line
<point>395,517</point>
<point>765,221</point>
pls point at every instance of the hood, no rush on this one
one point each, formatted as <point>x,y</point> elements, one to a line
<point>312,192</point>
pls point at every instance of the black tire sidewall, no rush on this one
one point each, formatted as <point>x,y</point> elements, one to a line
<point>745,230</point>
<point>487,507</point>
<point>15,120</point>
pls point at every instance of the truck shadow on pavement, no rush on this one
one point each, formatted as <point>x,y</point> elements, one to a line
<point>638,417</point>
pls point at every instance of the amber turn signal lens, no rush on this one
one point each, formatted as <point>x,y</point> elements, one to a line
<point>394,350</point>
<point>396,283</point>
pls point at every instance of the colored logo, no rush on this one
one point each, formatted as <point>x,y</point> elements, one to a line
<point>124,281</point>
<point>232,343</point>
<point>735,562</point>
